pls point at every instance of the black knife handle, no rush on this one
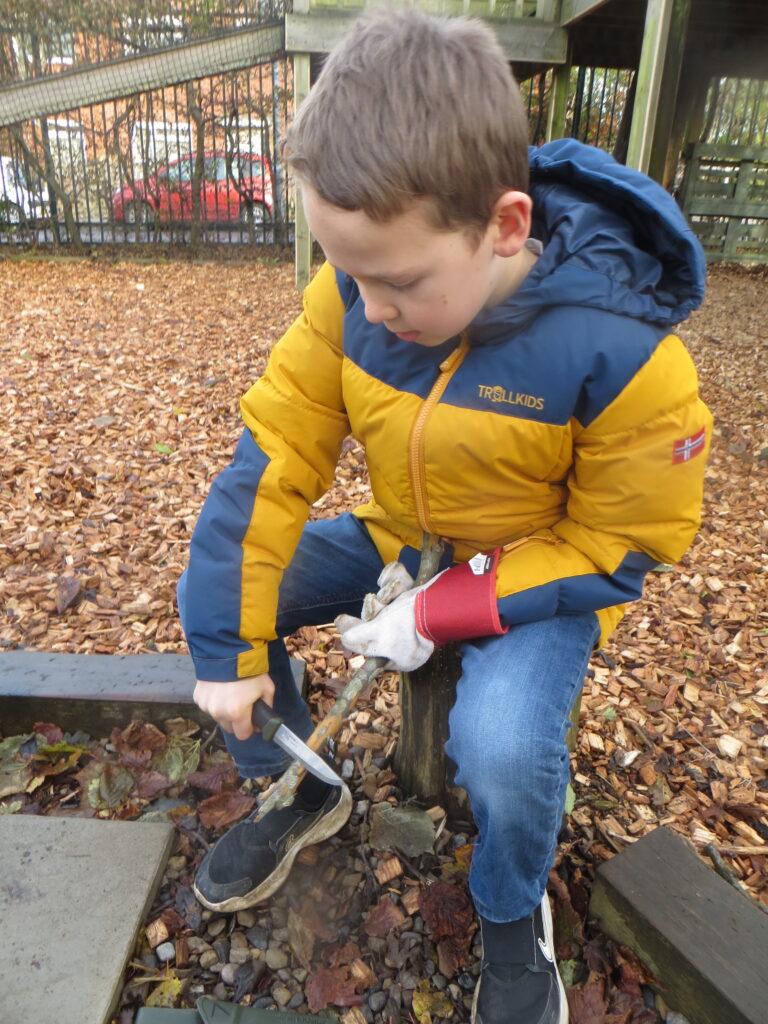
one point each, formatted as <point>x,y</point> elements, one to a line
<point>265,718</point>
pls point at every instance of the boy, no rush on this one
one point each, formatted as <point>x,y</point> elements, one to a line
<point>502,350</point>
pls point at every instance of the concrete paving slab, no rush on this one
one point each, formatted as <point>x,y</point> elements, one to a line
<point>96,692</point>
<point>73,895</point>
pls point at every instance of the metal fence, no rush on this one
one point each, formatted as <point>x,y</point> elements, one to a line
<point>597,99</point>
<point>194,162</point>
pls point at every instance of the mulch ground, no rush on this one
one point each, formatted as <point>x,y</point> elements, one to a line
<point>120,395</point>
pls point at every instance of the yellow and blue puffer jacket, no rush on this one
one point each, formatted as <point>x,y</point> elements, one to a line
<point>564,426</point>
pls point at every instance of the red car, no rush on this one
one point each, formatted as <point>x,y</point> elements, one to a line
<point>166,195</point>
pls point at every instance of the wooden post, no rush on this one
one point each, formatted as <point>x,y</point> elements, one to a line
<point>667,129</point>
<point>302,238</point>
<point>649,76</point>
<point>426,698</point>
<point>558,101</point>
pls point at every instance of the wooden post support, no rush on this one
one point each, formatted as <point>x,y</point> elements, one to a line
<point>649,76</point>
<point>558,100</point>
<point>426,697</point>
<point>704,941</point>
<point>667,130</point>
<point>303,239</point>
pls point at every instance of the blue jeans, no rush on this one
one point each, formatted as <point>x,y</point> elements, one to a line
<point>507,727</point>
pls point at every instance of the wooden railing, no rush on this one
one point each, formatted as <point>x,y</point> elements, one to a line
<point>725,197</point>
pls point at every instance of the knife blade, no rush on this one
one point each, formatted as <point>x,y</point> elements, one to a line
<point>274,730</point>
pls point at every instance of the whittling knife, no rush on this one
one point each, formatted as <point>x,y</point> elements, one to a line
<point>273,729</point>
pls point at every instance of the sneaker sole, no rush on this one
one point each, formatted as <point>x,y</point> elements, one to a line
<point>323,828</point>
<point>546,913</point>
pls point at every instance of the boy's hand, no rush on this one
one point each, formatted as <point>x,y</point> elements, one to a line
<point>403,623</point>
<point>387,628</point>
<point>231,704</point>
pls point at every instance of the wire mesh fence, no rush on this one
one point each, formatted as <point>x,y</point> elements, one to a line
<point>192,162</point>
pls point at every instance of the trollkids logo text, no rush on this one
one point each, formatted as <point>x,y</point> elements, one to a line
<point>500,394</point>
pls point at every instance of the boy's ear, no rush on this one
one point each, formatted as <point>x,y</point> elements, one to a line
<point>511,221</point>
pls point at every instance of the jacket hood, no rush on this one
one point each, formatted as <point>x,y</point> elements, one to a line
<point>612,239</point>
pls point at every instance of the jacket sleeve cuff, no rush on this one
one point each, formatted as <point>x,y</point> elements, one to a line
<point>461,603</point>
<point>228,670</point>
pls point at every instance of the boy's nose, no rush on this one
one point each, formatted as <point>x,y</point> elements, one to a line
<point>378,309</point>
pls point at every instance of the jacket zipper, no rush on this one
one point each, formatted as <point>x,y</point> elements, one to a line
<point>416,457</point>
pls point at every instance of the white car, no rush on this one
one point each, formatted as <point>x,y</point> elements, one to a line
<point>20,200</point>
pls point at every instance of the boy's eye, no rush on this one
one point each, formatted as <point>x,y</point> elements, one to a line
<point>402,286</point>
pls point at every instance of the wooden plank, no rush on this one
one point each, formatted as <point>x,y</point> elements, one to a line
<point>96,692</point>
<point>702,206</point>
<point>53,94</point>
<point>704,151</point>
<point>522,39</point>
<point>704,941</point>
<point>574,10</point>
<point>649,77</point>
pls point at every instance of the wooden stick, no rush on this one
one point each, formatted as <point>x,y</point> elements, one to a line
<point>282,792</point>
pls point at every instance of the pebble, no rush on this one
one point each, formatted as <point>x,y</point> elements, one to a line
<point>220,991</point>
<point>208,958</point>
<point>454,991</point>
<point>228,973</point>
<point>281,995</point>
<point>258,937</point>
<point>276,958</point>
<point>439,981</point>
<point>246,918</point>
<point>238,940</point>
<point>429,968</point>
<point>300,974</point>
<point>347,769</point>
<point>239,956</point>
<point>296,1000</point>
<point>217,926</point>
<point>165,952</point>
<point>221,946</point>
<point>377,1001</point>
<point>280,934</point>
<point>676,1018</point>
<point>466,981</point>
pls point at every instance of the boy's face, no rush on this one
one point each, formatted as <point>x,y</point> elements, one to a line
<point>423,283</point>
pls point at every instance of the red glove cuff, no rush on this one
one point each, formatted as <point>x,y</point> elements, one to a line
<point>461,603</point>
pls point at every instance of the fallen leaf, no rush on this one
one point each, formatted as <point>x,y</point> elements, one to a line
<point>331,985</point>
<point>428,1004</point>
<point>446,909</point>
<point>402,828</point>
<point>384,918</point>
<point>224,809</point>
<point>166,994</point>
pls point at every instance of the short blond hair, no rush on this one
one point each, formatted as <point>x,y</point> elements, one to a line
<point>410,106</point>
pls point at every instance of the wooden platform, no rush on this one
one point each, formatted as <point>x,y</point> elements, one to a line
<point>705,942</point>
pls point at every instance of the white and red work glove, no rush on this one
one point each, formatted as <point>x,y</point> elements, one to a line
<point>403,623</point>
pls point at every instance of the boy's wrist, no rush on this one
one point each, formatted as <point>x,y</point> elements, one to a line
<point>461,603</point>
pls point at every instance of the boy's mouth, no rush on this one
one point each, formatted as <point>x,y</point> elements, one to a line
<point>408,335</point>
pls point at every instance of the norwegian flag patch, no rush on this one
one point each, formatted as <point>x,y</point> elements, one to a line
<point>689,447</point>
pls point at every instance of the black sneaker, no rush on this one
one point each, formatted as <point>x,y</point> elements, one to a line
<point>519,982</point>
<point>251,861</point>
